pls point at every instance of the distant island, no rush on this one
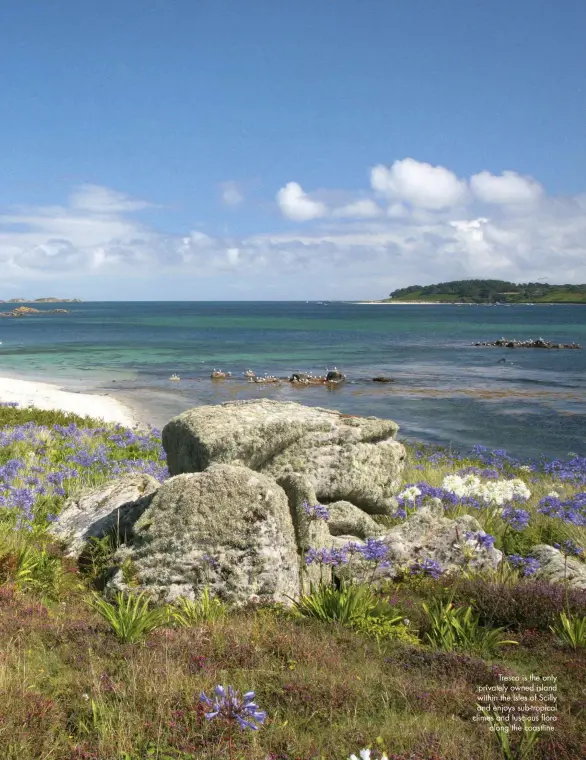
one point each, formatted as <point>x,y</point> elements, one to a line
<point>23,311</point>
<point>41,300</point>
<point>488,292</point>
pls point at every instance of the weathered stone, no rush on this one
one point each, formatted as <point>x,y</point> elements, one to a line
<point>345,457</point>
<point>555,568</point>
<point>428,534</point>
<point>228,527</point>
<point>110,507</point>
<point>346,519</point>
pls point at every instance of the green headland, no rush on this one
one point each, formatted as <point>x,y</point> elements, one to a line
<point>490,292</point>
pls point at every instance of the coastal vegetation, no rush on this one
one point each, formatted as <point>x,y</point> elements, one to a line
<point>491,291</point>
<point>395,669</point>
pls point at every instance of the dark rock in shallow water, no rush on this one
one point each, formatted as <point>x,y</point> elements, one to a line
<point>335,375</point>
<point>382,379</point>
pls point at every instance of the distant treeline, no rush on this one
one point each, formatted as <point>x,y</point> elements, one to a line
<point>492,291</point>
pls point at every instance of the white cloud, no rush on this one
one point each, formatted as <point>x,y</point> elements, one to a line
<point>231,194</point>
<point>102,200</point>
<point>340,250</point>
<point>508,188</point>
<point>419,184</point>
<point>297,205</point>
<point>361,209</point>
<point>233,255</point>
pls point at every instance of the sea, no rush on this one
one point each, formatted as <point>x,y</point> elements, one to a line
<point>444,390</point>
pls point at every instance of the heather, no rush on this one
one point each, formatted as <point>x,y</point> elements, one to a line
<point>343,670</point>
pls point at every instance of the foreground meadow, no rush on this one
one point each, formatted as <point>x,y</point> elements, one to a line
<point>396,669</point>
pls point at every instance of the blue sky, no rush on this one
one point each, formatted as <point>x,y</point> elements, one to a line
<point>259,149</point>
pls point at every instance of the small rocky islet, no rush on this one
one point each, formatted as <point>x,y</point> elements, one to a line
<point>24,311</point>
<point>539,343</point>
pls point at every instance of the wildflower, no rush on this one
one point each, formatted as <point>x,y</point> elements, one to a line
<point>365,755</point>
<point>315,511</point>
<point>496,492</point>
<point>429,567</point>
<point>570,548</point>
<point>526,565</point>
<point>374,550</point>
<point>410,493</point>
<point>333,557</point>
<point>228,704</point>
<point>480,539</point>
<point>518,519</point>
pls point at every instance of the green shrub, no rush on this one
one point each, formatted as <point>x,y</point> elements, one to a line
<point>205,610</point>
<point>96,560</point>
<point>131,617</point>
<point>31,567</point>
<point>571,629</point>
<point>11,416</point>
<point>451,628</point>
<point>380,628</point>
<point>355,606</point>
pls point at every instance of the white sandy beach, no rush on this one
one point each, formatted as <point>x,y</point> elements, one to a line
<point>51,396</point>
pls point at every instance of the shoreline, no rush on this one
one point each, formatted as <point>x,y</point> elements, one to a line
<point>52,396</point>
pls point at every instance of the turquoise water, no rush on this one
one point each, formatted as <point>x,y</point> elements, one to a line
<point>444,389</point>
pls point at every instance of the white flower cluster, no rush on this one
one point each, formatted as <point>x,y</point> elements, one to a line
<point>365,755</point>
<point>494,492</point>
<point>410,494</point>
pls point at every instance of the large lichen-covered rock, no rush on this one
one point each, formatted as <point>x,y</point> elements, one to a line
<point>95,512</point>
<point>555,568</point>
<point>346,458</point>
<point>228,527</point>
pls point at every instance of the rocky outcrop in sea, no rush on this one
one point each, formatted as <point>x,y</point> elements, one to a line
<point>539,343</point>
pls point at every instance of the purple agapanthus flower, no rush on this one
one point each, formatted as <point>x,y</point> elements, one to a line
<point>315,511</point>
<point>374,550</point>
<point>570,548</point>
<point>484,540</point>
<point>429,567</point>
<point>228,704</point>
<point>572,510</point>
<point>332,557</point>
<point>211,561</point>
<point>518,519</point>
<point>526,565</point>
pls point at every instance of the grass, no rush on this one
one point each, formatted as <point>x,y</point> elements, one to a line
<point>83,678</point>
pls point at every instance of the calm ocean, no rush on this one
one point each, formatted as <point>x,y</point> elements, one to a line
<point>445,390</point>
